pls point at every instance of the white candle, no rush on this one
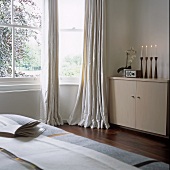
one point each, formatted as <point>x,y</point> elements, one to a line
<point>141,51</point>
<point>151,50</point>
<point>155,50</point>
<point>146,50</point>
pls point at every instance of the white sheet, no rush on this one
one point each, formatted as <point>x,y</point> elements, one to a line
<point>5,121</point>
<point>50,154</point>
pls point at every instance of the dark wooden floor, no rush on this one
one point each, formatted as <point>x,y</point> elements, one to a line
<point>148,146</point>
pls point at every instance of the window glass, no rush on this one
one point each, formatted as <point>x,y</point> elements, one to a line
<point>71,23</point>
<point>5,52</point>
<point>20,37</point>
<point>27,53</point>
<point>27,12</point>
<point>70,53</point>
<point>5,11</point>
<point>71,14</point>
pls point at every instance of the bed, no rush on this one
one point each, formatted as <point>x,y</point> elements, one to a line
<point>115,158</point>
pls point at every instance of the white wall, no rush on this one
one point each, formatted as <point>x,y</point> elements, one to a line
<point>27,103</point>
<point>24,103</point>
<point>150,27</point>
<point>118,33</point>
<point>67,98</point>
<point>136,23</point>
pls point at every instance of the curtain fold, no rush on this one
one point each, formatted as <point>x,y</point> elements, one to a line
<point>49,79</point>
<point>91,106</point>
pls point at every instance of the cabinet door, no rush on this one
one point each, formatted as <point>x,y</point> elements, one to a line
<point>122,102</point>
<point>151,107</point>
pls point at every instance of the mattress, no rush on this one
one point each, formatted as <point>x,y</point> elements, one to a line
<point>56,133</point>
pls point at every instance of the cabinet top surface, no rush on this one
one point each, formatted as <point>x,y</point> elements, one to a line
<point>160,80</point>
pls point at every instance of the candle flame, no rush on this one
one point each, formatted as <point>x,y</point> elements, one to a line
<point>146,46</point>
<point>151,46</point>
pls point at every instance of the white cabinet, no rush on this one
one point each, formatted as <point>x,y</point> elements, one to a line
<point>139,103</point>
<point>122,108</point>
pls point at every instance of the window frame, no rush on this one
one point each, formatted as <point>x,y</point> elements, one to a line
<point>19,83</point>
<point>66,80</point>
<point>25,83</point>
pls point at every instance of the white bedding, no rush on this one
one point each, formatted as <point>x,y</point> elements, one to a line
<point>5,121</point>
<point>127,160</point>
<point>50,154</point>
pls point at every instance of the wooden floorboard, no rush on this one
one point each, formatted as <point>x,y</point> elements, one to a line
<point>150,146</point>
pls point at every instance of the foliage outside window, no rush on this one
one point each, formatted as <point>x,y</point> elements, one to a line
<point>20,38</point>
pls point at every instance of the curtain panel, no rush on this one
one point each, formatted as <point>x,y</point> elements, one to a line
<point>50,79</point>
<point>91,106</point>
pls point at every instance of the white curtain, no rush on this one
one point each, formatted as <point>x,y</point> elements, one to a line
<point>91,106</point>
<point>49,108</point>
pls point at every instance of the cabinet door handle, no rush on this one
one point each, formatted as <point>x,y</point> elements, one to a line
<point>133,96</point>
<point>138,97</point>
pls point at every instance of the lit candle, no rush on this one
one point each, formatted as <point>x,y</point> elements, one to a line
<point>155,50</point>
<point>146,50</point>
<point>141,51</point>
<point>151,50</point>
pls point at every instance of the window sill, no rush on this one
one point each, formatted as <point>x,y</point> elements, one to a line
<point>17,84</point>
<point>69,81</point>
<point>68,84</point>
<point>21,84</point>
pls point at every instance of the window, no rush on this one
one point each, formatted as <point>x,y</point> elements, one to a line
<point>20,38</point>
<point>71,25</point>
